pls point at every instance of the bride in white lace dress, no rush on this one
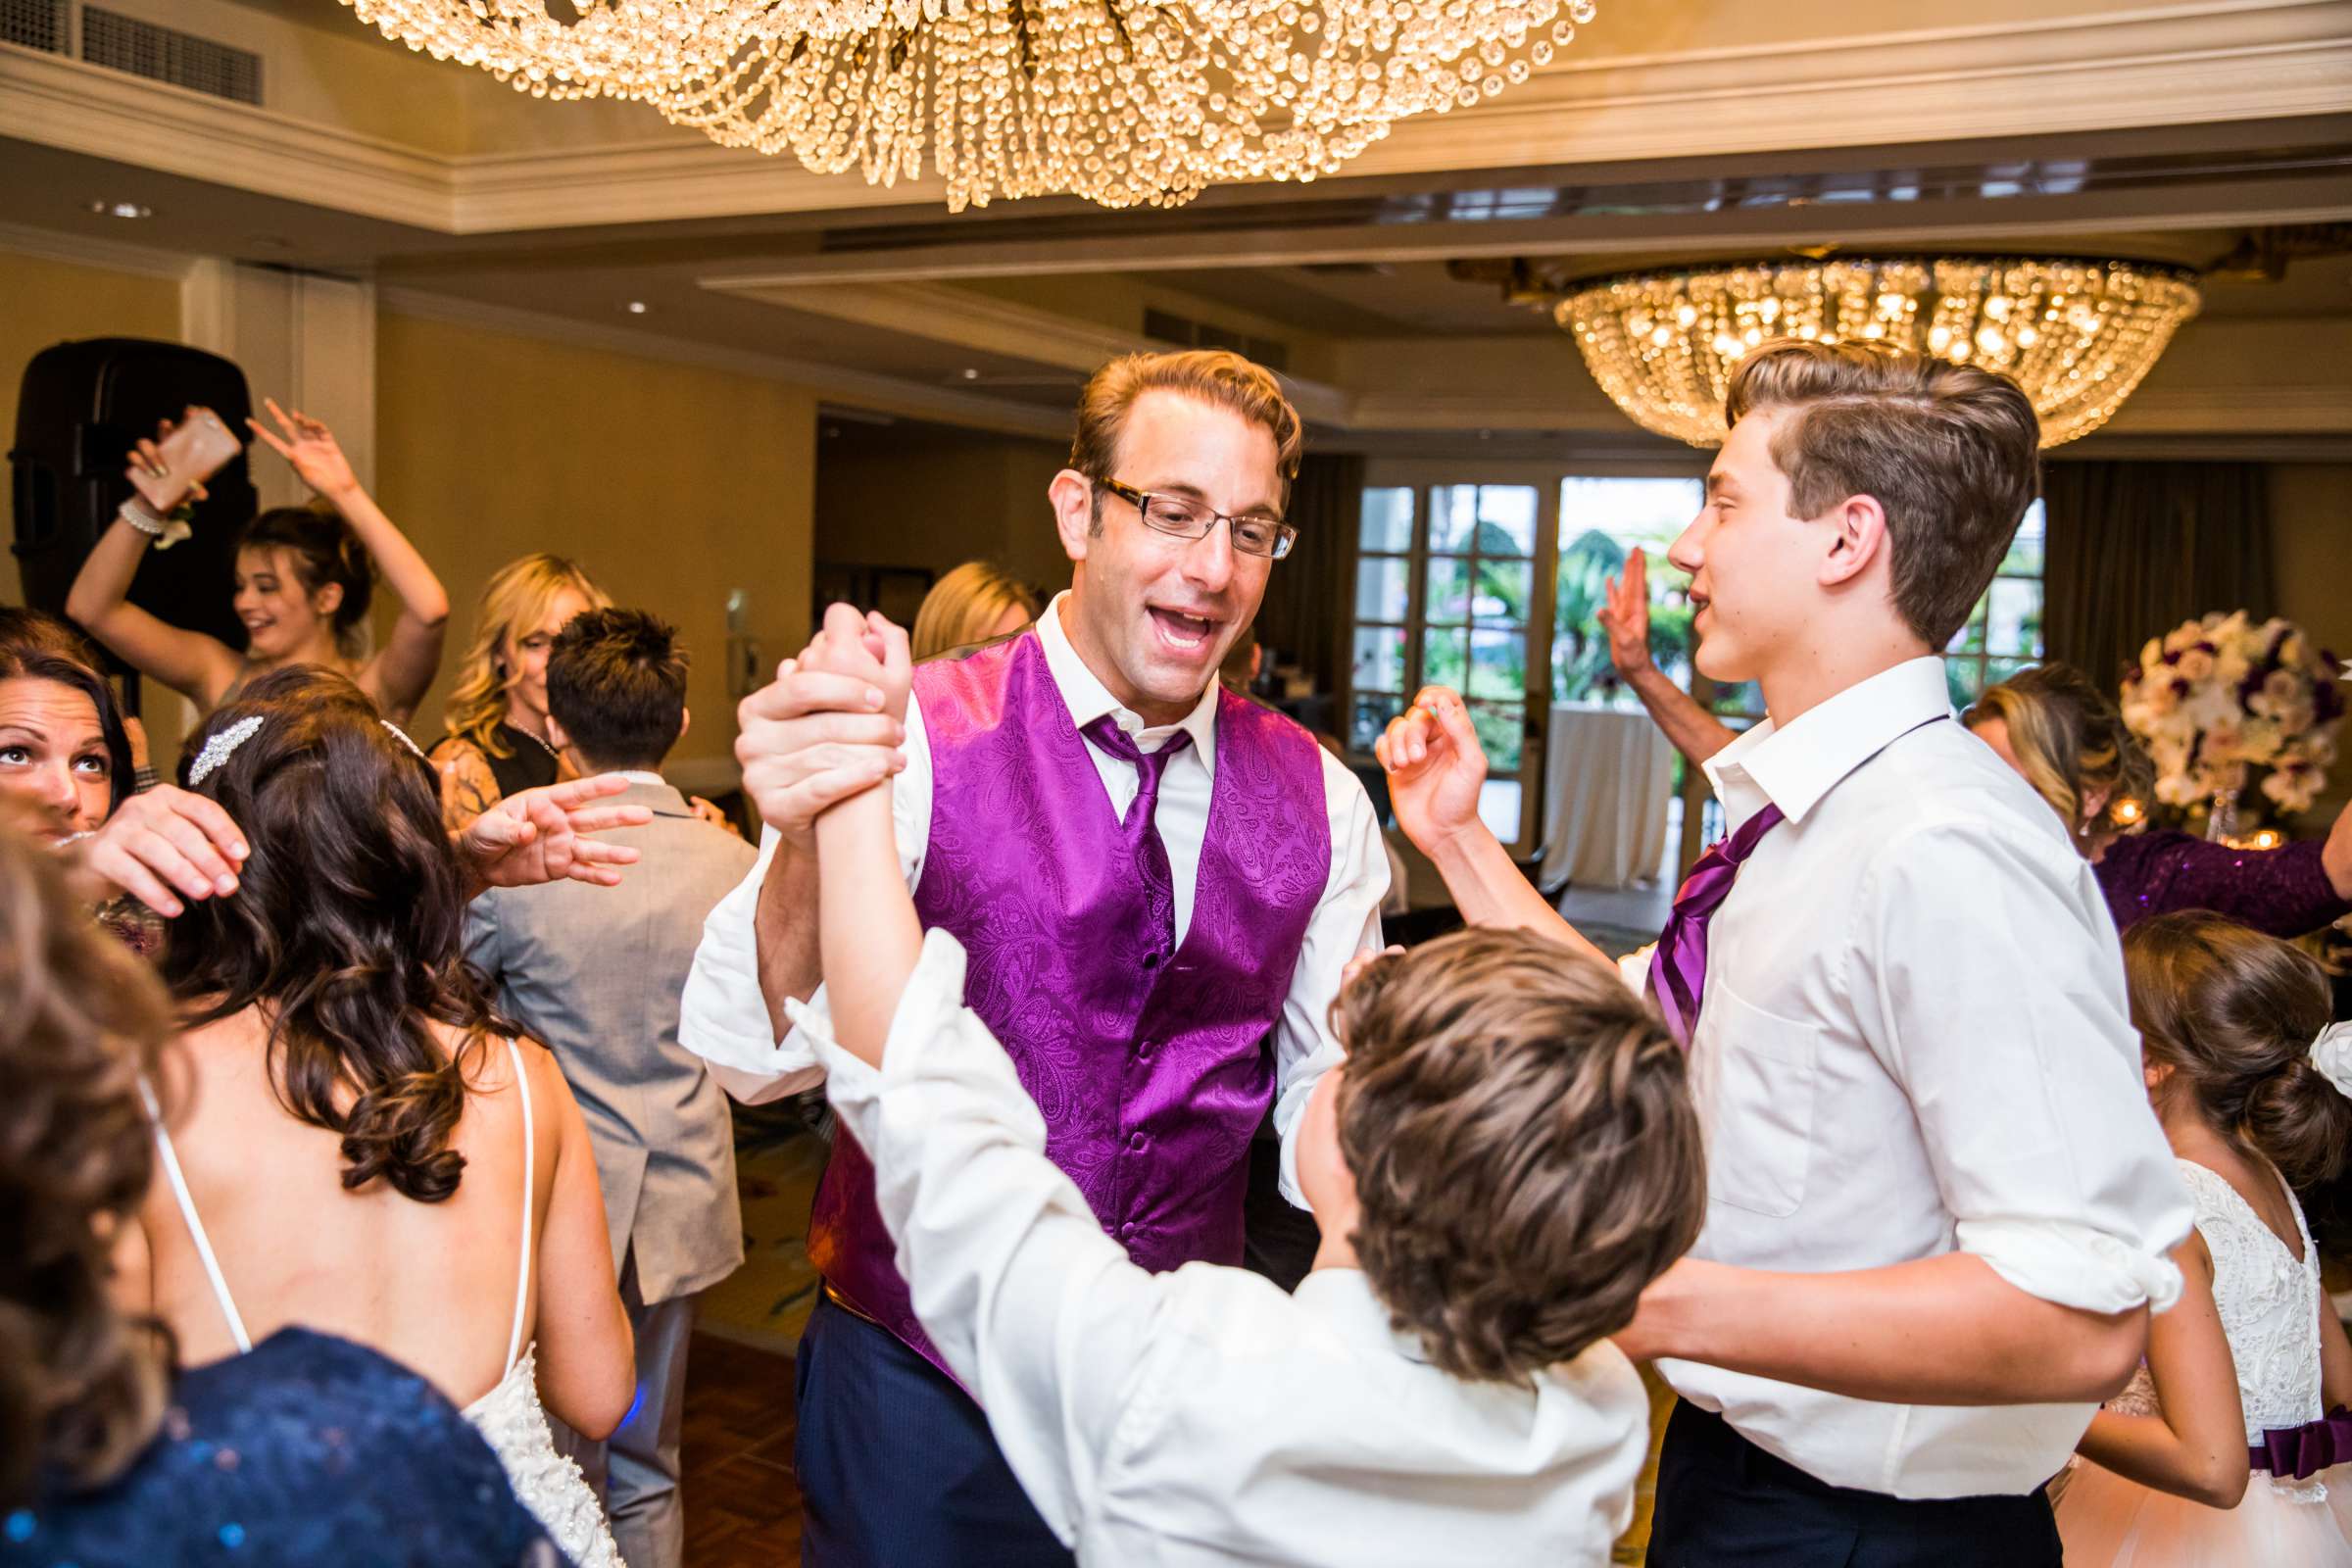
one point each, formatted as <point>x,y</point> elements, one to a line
<point>363,1152</point>
<point>2228,1019</point>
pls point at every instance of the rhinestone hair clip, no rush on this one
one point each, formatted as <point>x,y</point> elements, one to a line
<point>402,736</point>
<point>221,747</point>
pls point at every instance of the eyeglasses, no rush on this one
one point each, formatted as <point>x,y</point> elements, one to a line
<point>1254,532</point>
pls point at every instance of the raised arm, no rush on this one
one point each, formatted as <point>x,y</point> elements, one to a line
<point>1625,615</point>
<point>1436,767</point>
<point>197,666</point>
<point>410,657</point>
<point>2195,1446</point>
<point>868,935</point>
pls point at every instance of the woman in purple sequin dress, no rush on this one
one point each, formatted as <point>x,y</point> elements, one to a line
<point>2066,739</point>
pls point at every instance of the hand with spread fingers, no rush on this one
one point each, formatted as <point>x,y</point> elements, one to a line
<point>1436,767</point>
<point>1625,615</point>
<point>310,448</point>
<point>543,835</point>
<point>816,735</point>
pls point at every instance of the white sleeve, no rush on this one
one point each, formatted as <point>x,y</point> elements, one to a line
<point>1036,1311</point>
<point>1993,988</point>
<point>1344,923</point>
<point>722,1014</point>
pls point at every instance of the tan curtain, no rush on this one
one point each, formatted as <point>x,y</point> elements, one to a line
<point>2138,548</point>
<point>1306,611</point>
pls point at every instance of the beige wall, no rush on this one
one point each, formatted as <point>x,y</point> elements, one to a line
<point>671,483</point>
<point>938,501</point>
<point>2311,555</point>
<point>52,302</point>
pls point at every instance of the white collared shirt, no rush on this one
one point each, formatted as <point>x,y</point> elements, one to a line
<point>1203,1416</point>
<point>723,1020</point>
<point>1913,1039</point>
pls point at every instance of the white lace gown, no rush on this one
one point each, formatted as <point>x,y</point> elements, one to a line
<point>2270,1305</point>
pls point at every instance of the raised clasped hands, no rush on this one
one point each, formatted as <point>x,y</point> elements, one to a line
<point>1436,768</point>
<point>829,726</point>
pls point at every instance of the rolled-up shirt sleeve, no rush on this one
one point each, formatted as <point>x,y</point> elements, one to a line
<point>1993,988</point>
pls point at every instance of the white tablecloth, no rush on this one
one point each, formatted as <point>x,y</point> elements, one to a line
<point>1607,778</point>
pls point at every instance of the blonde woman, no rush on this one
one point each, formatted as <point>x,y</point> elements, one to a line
<point>976,603</point>
<point>499,741</point>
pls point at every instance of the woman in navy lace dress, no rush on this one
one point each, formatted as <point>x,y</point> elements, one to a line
<point>308,1450</point>
<point>2066,737</point>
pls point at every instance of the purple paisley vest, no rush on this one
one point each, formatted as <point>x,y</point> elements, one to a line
<point>1147,1065</point>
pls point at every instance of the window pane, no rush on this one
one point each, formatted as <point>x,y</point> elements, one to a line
<point>1382,583</point>
<point>1369,716</point>
<point>1997,671</point>
<point>1603,522</point>
<point>1502,590</point>
<point>2025,550</point>
<point>1388,520</point>
<point>1498,665</point>
<point>1963,679</point>
<point>1500,734</point>
<point>2014,625</point>
<point>1444,658</point>
<point>1379,660</point>
<point>1495,519</point>
<point>1969,639</point>
<point>1449,592</point>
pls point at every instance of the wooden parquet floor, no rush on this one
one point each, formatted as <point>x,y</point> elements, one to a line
<point>743,1502</point>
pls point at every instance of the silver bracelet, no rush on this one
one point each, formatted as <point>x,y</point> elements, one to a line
<point>141,516</point>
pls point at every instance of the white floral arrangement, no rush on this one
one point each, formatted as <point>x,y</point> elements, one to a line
<point>2225,703</point>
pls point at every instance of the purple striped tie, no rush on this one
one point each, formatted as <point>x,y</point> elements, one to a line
<point>1677,967</point>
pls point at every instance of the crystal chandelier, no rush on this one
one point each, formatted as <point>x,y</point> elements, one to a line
<point>1119,102</point>
<point>2077,335</point>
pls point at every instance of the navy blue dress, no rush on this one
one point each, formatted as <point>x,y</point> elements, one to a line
<point>309,1451</point>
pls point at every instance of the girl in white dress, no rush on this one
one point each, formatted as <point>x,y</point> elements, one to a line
<point>367,1150</point>
<point>2218,1453</point>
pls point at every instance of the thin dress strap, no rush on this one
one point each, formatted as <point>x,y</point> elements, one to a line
<point>523,1276</point>
<point>188,1211</point>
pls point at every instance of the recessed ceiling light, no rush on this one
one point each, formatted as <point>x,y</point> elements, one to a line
<point>636,306</point>
<point>970,374</point>
<point>121,210</point>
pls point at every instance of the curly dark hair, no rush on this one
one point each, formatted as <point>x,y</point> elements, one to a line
<point>325,550</point>
<point>1525,1152</point>
<point>81,1386</point>
<point>346,929</point>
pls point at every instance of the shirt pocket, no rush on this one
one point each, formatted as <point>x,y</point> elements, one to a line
<point>1766,1072</point>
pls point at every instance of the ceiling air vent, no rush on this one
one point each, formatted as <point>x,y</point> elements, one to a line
<point>1170,329</point>
<point>162,54</point>
<point>35,25</point>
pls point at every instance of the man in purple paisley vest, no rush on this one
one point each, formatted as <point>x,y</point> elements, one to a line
<point>1157,883</point>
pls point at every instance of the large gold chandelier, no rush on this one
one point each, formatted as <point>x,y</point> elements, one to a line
<point>1123,102</point>
<point>2077,335</point>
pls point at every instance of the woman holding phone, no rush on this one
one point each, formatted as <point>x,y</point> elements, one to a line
<point>304,575</point>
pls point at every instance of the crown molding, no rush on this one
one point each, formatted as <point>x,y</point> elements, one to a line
<point>80,250</point>
<point>862,388</point>
<point>2219,59</point>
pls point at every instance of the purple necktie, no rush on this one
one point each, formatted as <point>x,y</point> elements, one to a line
<point>1140,830</point>
<point>1677,967</point>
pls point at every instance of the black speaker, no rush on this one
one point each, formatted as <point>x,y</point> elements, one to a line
<point>80,408</point>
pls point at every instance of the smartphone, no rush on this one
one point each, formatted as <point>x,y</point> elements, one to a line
<point>191,454</point>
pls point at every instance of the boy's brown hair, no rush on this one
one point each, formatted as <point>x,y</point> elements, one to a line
<point>1525,1152</point>
<point>1951,452</point>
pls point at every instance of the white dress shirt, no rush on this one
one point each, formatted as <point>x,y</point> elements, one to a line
<point>1203,1416</point>
<point>1914,1039</point>
<point>723,1018</point>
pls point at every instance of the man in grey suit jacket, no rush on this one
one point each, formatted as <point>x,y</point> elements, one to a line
<point>596,972</point>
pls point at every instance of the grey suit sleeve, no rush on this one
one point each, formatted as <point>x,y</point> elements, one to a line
<point>482,936</point>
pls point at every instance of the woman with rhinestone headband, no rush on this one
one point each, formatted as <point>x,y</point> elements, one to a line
<point>309,1449</point>
<point>370,1150</point>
